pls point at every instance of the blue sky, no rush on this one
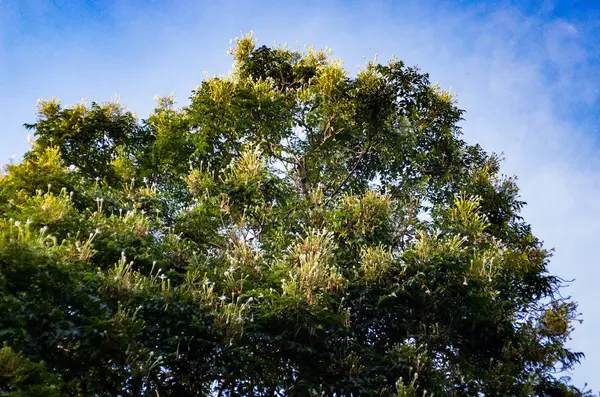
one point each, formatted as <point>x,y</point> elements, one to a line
<point>527,75</point>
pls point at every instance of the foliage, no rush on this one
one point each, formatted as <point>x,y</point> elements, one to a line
<point>295,230</point>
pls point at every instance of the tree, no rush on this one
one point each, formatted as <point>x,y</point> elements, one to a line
<point>295,230</point>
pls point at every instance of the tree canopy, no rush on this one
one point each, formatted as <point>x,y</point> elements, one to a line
<point>295,230</point>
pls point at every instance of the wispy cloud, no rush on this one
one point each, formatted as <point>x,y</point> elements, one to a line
<point>526,78</point>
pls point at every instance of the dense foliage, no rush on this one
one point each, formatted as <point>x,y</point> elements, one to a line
<point>295,230</point>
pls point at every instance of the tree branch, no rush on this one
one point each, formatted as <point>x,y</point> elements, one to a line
<point>351,173</point>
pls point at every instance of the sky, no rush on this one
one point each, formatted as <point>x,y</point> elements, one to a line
<point>526,72</point>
